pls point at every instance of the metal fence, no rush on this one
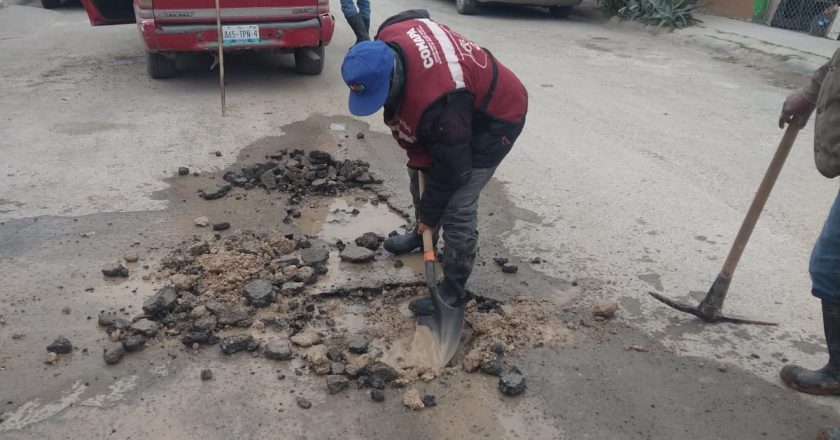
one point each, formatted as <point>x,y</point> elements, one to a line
<point>812,16</point>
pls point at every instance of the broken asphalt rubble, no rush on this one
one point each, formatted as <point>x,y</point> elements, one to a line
<point>256,291</point>
<point>295,172</point>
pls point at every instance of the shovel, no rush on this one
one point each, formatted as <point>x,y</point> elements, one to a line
<point>446,323</point>
<point>709,309</point>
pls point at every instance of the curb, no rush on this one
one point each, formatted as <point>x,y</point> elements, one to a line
<point>713,45</point>
<point>793,61</point>
<point>802,67</point>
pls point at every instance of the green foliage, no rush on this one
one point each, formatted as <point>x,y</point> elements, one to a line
<point>661,13</point>
<point>610,8</point>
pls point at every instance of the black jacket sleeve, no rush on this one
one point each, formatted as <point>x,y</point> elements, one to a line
<point>446,131</point>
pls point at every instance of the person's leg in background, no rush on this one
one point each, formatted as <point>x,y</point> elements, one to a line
<point>348,8</point>
<point>355,20</point>
<point>825,279</point>
<point>364,11</point>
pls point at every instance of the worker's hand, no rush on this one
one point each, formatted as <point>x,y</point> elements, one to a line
<point>422,227</point>
<point>796,110</point>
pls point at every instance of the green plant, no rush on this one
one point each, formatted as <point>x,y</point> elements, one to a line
<point>662,13</point>
<point>674,14</point>
<point>611,8</point>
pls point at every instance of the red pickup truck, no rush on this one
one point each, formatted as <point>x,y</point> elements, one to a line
<point>302,27</point>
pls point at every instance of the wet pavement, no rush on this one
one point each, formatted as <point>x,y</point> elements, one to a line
<point>590,386</point>
<point>93,177</point>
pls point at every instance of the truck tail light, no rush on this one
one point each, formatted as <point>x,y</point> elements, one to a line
<point>145,4</point>
<point>323,6</point>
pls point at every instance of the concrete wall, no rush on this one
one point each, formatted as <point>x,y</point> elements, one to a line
<point>742,9</point>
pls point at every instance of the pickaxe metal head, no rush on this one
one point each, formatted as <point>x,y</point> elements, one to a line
<point>709,309</point>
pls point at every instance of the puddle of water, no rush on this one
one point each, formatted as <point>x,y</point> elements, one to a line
<point>416,264</point>
<point>336,274</point>
<point>352,317</point>
<point>347,217</point>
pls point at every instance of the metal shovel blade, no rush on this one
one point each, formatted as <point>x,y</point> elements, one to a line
<point>446,324</point>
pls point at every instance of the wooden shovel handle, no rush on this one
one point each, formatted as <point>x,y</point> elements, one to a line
<point>428,242</point>
<point>428,247</point>
<point>760,200</point>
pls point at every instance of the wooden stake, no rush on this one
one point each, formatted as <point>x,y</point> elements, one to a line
<point>220,39</point>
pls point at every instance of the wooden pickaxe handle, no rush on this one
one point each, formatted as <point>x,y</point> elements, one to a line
<point>759,201</point>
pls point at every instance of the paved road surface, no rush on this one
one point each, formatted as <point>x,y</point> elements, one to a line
<point>637,164</point>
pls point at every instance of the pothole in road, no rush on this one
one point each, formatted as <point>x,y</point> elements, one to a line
<point>291,290</point>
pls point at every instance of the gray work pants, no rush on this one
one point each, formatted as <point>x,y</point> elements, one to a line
<point>460,218</point>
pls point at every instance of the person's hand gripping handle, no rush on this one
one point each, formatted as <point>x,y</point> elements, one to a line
<point>796,110</point>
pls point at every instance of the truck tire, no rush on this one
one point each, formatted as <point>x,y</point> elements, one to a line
<point>309,60</point>
<point>466,7</point>
<point>560,11</point>
<point>160,66</point>
<point>50,4</point>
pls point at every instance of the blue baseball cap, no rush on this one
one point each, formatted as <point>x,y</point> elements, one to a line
<point>367,71</point>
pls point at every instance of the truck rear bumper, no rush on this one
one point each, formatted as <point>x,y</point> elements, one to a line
<point>201,37</point>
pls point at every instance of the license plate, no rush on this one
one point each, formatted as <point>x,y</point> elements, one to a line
<point>249,33</point>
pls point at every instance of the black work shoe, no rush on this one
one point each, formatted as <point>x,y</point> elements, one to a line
<point>457,267</point>
<point>826,380</point>
<point>404,243</point>
<point>425,306</point>
<point>829,433</point>
<point>422,306</point>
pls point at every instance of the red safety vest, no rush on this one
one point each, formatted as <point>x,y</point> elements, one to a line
<point>440,61</point>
